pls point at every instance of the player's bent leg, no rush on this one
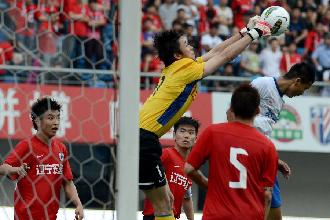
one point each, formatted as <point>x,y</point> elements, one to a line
<point>152,178</point>
<point>160,201</point>
<point>275,207</point>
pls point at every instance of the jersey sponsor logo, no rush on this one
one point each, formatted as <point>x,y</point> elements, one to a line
<point>288,127</point>
<point>159,171</point>
<point>48,169</point>
<point>320,123</point>
<point>270,114</point>
<point>61,156</point>
<point>179,180</point>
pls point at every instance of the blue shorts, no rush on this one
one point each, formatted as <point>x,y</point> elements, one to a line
<point>276,196</point>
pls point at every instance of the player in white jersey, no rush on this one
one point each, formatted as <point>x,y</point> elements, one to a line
<point>271,90</point>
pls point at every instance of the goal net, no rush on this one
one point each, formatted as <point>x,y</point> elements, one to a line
<point>49,48</point>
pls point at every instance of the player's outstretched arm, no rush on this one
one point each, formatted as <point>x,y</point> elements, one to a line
<point>261,29</point>
<point>223,45</point>
<point>6,169</point>
<point>220,47</point>
<point>196,176</point>
<point>71,193</point>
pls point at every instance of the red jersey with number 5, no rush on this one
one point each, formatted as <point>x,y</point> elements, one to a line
<point>37,196</point>
<point>242,161</point>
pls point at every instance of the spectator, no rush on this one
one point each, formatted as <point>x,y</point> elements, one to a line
<point>211,12</point>
<point>148,33</point>
<point>151,63</point>
<point>168,13</point>
<point>192,40</point>
<point>289,58</point>
<point>226,86</point>
<point>225,18</point>
<point>211,39</point>
<point>22,14</point>
<point>6,51</point>
<point>270,58</point>
<point>250,61</point>
<point>108,37</point>
<point>240,8</point>
<point>181,16</point>
<point>191,14</point>
<point>177,26</point>
<point>326,18</point>
<point>79,28</point>
<point>313,38</point>
<point>49,26</point>
<point>321,57</point>
<point>311,16</point>
<point>152,14</point>
<point>94,46</point>
<point>297,29</point>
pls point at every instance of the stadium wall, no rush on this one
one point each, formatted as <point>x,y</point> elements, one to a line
<point>88,128</point>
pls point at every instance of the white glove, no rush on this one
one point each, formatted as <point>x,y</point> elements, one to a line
<point>250,25</point>
<point>261,29</point>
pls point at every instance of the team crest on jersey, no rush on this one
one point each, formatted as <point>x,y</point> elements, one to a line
<point>288,127</point>
<point>61,156</point>
<point>320,123</point>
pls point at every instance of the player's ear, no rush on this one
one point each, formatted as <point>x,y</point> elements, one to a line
<point>37,121</point>
<point>258,111</point>
<point>297,80</point>
<point>177,56</point>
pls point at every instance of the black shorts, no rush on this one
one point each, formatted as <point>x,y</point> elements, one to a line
<point>151,170</point>
<point>148,217</point>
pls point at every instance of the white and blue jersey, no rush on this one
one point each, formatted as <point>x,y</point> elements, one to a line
<point>271,103</point>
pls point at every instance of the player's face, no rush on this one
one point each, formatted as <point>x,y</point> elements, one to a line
<point>297,89</point>
<point>186,50</point>
<point>185,136</point>
<point>49,123</point>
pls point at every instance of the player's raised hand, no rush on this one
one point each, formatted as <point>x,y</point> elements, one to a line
<point>261,29</point>
<point>79,213</point>
<point>284,169</point>
<point>252,22</point>
<point>263,26</point>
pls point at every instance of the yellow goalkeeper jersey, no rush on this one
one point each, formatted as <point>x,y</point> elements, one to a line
<point>176,90</point>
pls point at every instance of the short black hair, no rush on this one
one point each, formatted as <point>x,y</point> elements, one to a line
<point>41,106</point>
<point>304,71</point>
<point>167,44</point>
<point>187,121</point>
<point>245,102</point>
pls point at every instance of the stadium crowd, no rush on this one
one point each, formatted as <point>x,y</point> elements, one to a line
<point>81,34</point>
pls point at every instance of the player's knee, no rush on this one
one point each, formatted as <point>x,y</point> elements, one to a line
<point>162,205</point>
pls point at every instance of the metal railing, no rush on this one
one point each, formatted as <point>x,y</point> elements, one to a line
<point>147,75</point>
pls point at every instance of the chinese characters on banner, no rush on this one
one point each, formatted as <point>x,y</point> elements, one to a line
<point>88,114</point>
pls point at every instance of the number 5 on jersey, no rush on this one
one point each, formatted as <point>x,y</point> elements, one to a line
<point>242,170</point>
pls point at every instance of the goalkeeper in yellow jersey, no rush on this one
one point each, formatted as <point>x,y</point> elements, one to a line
<point>174,94</point>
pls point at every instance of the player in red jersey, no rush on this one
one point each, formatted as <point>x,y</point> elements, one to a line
<point>173,160</point>
<point>242,163</point>
<point>37,196</point>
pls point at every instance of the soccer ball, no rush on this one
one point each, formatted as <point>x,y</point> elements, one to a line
<point>278,18</point>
